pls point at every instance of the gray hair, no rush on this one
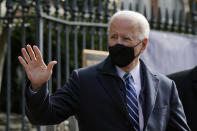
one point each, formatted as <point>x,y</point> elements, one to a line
<point>144,27</point>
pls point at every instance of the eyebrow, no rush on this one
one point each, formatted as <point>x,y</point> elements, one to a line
<point>130,36</point>
<point>127,35</point>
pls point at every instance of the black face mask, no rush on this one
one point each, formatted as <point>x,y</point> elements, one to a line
<point>122,55</point>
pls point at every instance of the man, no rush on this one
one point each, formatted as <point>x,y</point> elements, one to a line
<point>119,94</point>
<point>186,82</point>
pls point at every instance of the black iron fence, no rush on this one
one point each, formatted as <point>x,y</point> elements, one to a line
<point>62,29</point>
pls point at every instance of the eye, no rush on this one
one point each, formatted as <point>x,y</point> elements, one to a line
<point>113,37</point>
<point>127,38</point>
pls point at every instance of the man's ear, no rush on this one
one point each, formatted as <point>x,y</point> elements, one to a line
<point>144,44</point>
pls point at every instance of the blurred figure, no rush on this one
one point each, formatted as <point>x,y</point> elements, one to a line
<point>186,82</point>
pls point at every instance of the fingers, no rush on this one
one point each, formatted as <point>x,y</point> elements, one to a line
<point>31,56</point>
<point>22,61</point>
<point>31,53</point>
<point>38,53</point>
<point>26,56</point>
<point>51,65</point>
<point>36,56</point>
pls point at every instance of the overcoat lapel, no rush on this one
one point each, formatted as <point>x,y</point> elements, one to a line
<point>111,83</point>
<point>112,87</point>
<point>150,91</point>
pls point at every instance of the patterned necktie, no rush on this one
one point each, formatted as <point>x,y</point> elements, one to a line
<point>132,104</point>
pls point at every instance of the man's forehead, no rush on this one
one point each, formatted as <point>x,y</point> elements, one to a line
<point>126,24</point>
<point>123,20</point>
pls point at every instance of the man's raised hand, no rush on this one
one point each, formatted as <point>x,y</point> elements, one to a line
<point>37,72</point>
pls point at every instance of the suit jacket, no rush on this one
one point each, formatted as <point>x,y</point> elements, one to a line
<point>96,96</point>
<point>186,82</point>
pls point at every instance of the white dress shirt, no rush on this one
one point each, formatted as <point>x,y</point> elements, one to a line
<point>137,83</point>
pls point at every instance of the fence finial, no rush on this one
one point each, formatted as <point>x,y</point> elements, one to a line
<point>130,6</point>
<point>84,10</point>
<point>159,19</point>
<point>106,11</point>
<point>173,21</point>
<point>74,10</point>
<point>99,11</point>
<point>137,7</point>
<point>91,10</point>
<point>115,7</point>
<point>166,25</point>
<point>66,9</point>
<point>122,5</point>
<point>152,18</point>
<point>180,21</point>
<point>194,17</point>
<point>187,23</point>
<point>145,13</point>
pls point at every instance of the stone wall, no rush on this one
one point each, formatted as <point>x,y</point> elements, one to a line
<point>15,124</point>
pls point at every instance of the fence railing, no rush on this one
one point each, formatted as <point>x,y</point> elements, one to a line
<point>62,29</point>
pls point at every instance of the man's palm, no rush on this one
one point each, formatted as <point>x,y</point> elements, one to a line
<point>37,72</point>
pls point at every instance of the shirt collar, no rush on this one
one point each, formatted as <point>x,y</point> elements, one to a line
<point>135,72</point>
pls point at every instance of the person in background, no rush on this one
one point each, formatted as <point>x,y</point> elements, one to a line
<point>186,82</point>
<point>119,94</point>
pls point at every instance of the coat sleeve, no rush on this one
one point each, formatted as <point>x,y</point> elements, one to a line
<point>177,120</point>
<point>43,109</point>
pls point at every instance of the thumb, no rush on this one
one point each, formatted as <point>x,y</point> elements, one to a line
<point>50,65</point>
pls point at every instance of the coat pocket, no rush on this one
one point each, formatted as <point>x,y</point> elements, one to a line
<point>159,118</point>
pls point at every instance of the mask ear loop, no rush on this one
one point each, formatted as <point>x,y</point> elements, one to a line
<point>140,49</point>
<point>138,44</point>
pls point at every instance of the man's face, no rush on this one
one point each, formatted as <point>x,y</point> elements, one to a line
<point>124,31</point>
